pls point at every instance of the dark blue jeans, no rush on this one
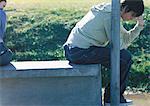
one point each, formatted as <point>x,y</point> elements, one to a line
<point>5,55</point>
<point>101,55</point>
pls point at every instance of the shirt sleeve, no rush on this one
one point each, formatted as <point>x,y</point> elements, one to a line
<point>2,23</point>
<point>126,37</point>
<point>107,27</point>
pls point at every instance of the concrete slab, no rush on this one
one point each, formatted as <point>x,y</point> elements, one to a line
<point>50,83</point>
<point>51,68</point>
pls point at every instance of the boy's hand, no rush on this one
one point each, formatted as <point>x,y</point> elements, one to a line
<point>140,20</point>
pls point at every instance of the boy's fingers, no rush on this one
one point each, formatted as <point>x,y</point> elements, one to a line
<point>140,17</point>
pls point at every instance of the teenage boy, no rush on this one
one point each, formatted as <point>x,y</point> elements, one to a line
<point>5,53</point>
<point>88,40</point>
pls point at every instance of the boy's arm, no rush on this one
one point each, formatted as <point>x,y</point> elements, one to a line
<point>107,27</point>
<point>2,24</point>
<point>128,36</point>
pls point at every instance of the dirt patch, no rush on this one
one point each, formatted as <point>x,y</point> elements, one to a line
<point>139,99</point>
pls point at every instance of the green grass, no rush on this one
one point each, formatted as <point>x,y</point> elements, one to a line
<point>51,4</point>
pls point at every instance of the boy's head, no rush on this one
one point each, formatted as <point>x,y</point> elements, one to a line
<point>135,8</point>
<point>3,3</point>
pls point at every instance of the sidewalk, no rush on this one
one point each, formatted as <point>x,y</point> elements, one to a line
<point>139,99</point>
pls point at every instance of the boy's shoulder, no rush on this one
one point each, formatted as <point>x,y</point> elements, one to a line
<point>104,7</point>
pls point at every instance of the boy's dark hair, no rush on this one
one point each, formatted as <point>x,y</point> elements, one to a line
<point>3,0</point>
<point>137,6</point>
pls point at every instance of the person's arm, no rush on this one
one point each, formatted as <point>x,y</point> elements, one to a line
<point>2,24</point>
<point>128,36</point>
<point>107,27</point>
<point>1,36</point>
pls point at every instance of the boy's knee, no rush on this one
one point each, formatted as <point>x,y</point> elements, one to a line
<point>126,56</point>
<point>6,58</point>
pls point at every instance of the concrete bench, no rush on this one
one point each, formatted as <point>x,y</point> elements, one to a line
<point>50,83</point>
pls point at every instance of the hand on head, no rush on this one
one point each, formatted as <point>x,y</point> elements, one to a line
<point>140,20</point>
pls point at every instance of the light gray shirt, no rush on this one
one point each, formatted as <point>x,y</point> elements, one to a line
<point>94,29</point>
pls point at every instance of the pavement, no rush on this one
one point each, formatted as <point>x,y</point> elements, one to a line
<point>138,98</point>
<point>142,99</point>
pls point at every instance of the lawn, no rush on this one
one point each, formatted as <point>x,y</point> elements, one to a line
<point>51,4</point>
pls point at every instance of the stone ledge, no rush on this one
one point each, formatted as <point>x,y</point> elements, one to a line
<point>50,83</point>
<point>47,69</point>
